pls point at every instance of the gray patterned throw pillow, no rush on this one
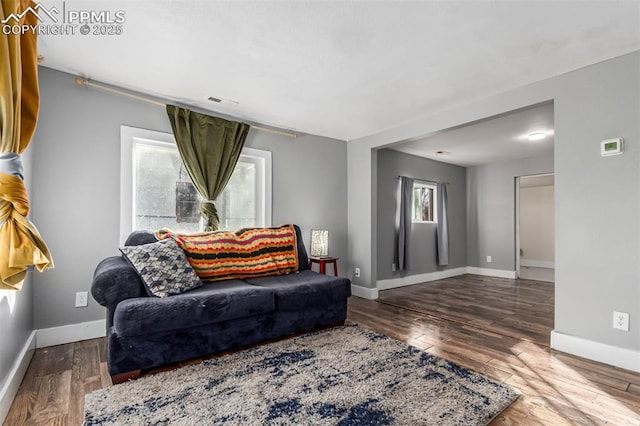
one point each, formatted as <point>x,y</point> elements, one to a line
<point>163,267</point>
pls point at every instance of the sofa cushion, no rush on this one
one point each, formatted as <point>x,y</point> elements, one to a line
<point>209,304</point>
<point>304,289</point>
<point>245,253</point>
<point>163,268</point>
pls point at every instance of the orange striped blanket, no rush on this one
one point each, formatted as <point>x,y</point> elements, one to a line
<point>246,253</point>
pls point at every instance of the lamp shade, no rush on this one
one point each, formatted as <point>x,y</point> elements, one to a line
<point>319,242</point>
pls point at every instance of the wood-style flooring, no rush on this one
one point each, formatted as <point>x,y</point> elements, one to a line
<point>496,326</point>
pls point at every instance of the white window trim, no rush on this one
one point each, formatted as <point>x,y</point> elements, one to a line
<point>264,157</point>
<point>435,201</point>
<point>128,135</point>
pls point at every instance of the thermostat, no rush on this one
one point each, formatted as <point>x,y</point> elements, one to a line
<point>611,147</point>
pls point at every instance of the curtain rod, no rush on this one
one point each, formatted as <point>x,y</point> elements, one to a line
<point>81,81</point>
<point>422,180</point>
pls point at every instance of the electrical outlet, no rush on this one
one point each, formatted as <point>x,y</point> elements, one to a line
<point>357,273</point>
<point>489,259</point>
<point>621,321</point>
<point>81,299</point>
<point>393,267</point>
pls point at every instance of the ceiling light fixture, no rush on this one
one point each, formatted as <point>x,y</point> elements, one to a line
<point>537,136</point>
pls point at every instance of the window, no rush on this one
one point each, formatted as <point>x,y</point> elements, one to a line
<point>156,190</point>
<point>424,202</point>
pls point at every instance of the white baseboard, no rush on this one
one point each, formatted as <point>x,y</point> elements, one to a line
<point>438,275</point>
<point>364,292</point>
<point>499,273</point>
<point>537,263</point>
<point>419,278</point>
<point>70,333</point>
<point>601,352</point>
<point>18,370</point>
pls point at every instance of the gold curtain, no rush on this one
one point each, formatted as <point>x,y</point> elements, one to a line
<point>20,243</point>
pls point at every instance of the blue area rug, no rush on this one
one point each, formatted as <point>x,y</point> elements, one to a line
<point>343,376</point>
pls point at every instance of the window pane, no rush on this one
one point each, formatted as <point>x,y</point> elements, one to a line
<point>423,204</point>
<point>237,203</point>
<point>160,180</point>
<point>416,204</point>
<point>165,196</point>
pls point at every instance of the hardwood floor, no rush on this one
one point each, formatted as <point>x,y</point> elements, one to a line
<point>52,391</point>
<point>501,328</point>
<point>495,326</point>
<point>523,311</point>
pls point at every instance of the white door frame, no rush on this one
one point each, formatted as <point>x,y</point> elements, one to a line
<point>517,222</point>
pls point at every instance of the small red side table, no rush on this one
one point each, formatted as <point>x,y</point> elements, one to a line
<point>322,263</point>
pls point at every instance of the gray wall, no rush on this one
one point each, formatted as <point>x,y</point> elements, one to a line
<point>309,186</point>
<point>597,199</point>
<point>491,209</point>
<point>362,213</point>
<point>76,184</point>
<point>16,307</point>
<point>422,256</point>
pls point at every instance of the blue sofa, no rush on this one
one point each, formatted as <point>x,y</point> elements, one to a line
<point>145,332</point>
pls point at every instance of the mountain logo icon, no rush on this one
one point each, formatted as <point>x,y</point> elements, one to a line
<point>38,10</point>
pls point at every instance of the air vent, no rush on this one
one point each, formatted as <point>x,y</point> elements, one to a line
<point>223,101</point>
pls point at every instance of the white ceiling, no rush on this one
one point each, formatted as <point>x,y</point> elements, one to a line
<point>342,69</point>
<point>495,139</point>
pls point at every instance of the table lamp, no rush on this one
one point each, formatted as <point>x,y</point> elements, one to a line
<point>319,242</point>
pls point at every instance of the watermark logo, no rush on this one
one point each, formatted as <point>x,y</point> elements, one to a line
<point>68,22</point>
<point>36,10</point>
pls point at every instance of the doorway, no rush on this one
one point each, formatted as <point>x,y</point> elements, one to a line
<point>535,227</point>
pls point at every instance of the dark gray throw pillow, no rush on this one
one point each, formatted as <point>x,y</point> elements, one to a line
<point>163,267</point>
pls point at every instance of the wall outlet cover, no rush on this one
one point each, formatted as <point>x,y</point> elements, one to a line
<point>489,259</point>
<point>82,299</point>
<point>621,321</point>
<point>357,272</point>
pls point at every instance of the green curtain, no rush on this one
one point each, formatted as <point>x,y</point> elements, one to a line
<point>21,246</point>
<point>210,148</point>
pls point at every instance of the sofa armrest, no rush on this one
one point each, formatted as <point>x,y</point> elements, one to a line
<point>115,280</point>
